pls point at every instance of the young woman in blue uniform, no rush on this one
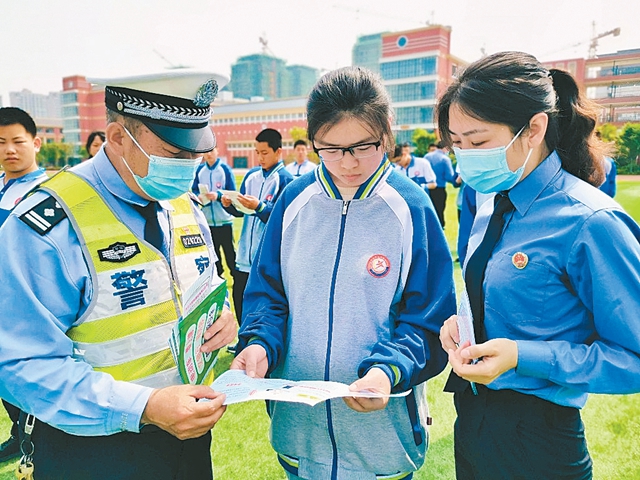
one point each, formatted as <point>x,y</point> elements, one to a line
<point>351,283</point>
<point>561,288</point>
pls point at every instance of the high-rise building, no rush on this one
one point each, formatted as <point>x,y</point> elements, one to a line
<point>83,109</point>
<point>610,80</point>
<point>300,81</point>
<point>269,78</point>
<point>367,52</point>
<point>416,66</point>
<point>38,105</point>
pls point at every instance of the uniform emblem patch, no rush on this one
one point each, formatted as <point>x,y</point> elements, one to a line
<point>218,185</point>
<point>268,198</point>
<point>378,266</point>
<point>119,252</point>
<point>520,260</point>
<point>191,241</point>
<point>44,216</point>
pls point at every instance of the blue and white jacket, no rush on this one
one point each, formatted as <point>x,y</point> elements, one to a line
<point>15,190</point>
<point>341,286</point>
<point>216,177</point>
<point>419,170</point>
<point>266,185</point>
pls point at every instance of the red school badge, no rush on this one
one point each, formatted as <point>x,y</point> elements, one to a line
<point>378,266</point>
<point>520,260</point>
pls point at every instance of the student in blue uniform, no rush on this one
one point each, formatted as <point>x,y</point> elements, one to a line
<point>212,177</point>
<point>443,170</point>
<point>259,191</point>
<point>301,164</point>
<point>417,169</point>
<point>556,308</point>
<point>106,250</point>
<point>19,145</point>
<point>351,283</point>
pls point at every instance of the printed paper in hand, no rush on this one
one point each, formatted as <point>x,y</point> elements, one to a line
<point>233,195</point>
<point>203,189</point>
<point>238,387</point>
<point>465,320</point>
<point>202,305</point>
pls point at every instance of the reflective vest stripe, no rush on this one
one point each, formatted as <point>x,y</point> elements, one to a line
<point>141,367</point>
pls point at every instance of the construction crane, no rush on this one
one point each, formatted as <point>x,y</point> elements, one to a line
<point>265,45</point>
<point>593,44</point>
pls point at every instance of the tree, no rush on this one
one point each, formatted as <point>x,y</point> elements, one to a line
<point>422,139</point>
<point>628,144</point>
<point>54,154</point>
<point>299,133</point>
<point>608,132</point>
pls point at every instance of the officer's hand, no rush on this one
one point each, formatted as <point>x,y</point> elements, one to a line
<point>376,381</point>
<point>221,333</point>
<point>495,356</point>
<point>249,201</point>
<point>226,201</point>
<point>253,360</point>
<point>449,336</point>
<point>175,410</point>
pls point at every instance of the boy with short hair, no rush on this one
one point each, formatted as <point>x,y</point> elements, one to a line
<point>19,144</point>
<point>301,163</point>
<point>259,191</point>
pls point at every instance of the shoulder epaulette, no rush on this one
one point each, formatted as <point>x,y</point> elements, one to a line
<point>44,216</point>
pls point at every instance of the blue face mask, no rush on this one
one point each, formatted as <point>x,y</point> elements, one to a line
<point>486,169</point>
<point>167,178</point>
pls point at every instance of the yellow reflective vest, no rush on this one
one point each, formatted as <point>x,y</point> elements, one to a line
<point>136,293</point>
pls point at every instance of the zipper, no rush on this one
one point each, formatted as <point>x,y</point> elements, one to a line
<point>334,447</point>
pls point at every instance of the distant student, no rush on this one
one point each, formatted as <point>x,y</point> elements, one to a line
<point>416,168</point>
<point>18,148</point>
<point>213,175</point>
<point>609,185</point>
<point>442,167</point>
<point>259,190</point>
<point>301,164</point>
<point>94,142</point>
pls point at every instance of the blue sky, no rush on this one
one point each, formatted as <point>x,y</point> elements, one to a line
<point>44,40</point>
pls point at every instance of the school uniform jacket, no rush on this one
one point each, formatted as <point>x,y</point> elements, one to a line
<point>338,287</point>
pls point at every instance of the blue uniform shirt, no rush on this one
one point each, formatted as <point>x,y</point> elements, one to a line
<point>46,289</point>
<point>442,168</point>
<point>573,305</point>
<point>298,169</point>
<point>609,185</point>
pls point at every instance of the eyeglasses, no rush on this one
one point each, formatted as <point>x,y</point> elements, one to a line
<point>358,151</point>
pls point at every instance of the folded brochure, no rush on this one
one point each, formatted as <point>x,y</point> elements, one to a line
<point>238,387</point>
<point>202,305</point>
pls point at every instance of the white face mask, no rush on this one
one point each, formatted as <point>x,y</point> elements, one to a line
<point>167,178</point>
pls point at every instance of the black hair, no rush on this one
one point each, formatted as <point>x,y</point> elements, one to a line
<point>271,137</point>
<point>509,88</point>
<point>440,145</point>
<point>299,142</point>
<point>350,92</point>
<point>397,151</point>
<point>17,116</point>
<point>92,137</point>
<point>406,144</point>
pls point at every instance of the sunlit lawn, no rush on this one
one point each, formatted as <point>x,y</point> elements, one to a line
<point>241,449</point>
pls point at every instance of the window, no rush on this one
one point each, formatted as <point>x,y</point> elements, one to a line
<point>416,67</point>
<point>408,92</point>
<point>414,115</point>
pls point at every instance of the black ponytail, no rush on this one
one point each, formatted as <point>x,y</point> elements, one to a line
<point>571,131</point>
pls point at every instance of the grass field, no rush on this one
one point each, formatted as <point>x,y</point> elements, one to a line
<point>241,449</point>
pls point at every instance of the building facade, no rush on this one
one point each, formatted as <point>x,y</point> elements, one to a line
<point>83,109</point>
<point>237,125</point>
<point>416,67</point>
<point>38,105</point>
<point>610,80</point>
<point>267,77</point>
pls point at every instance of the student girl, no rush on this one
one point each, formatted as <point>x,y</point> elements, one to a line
<point>352,283</point>
<point>556,308</point>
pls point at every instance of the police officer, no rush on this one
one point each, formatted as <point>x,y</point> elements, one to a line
<point>109,248</point>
